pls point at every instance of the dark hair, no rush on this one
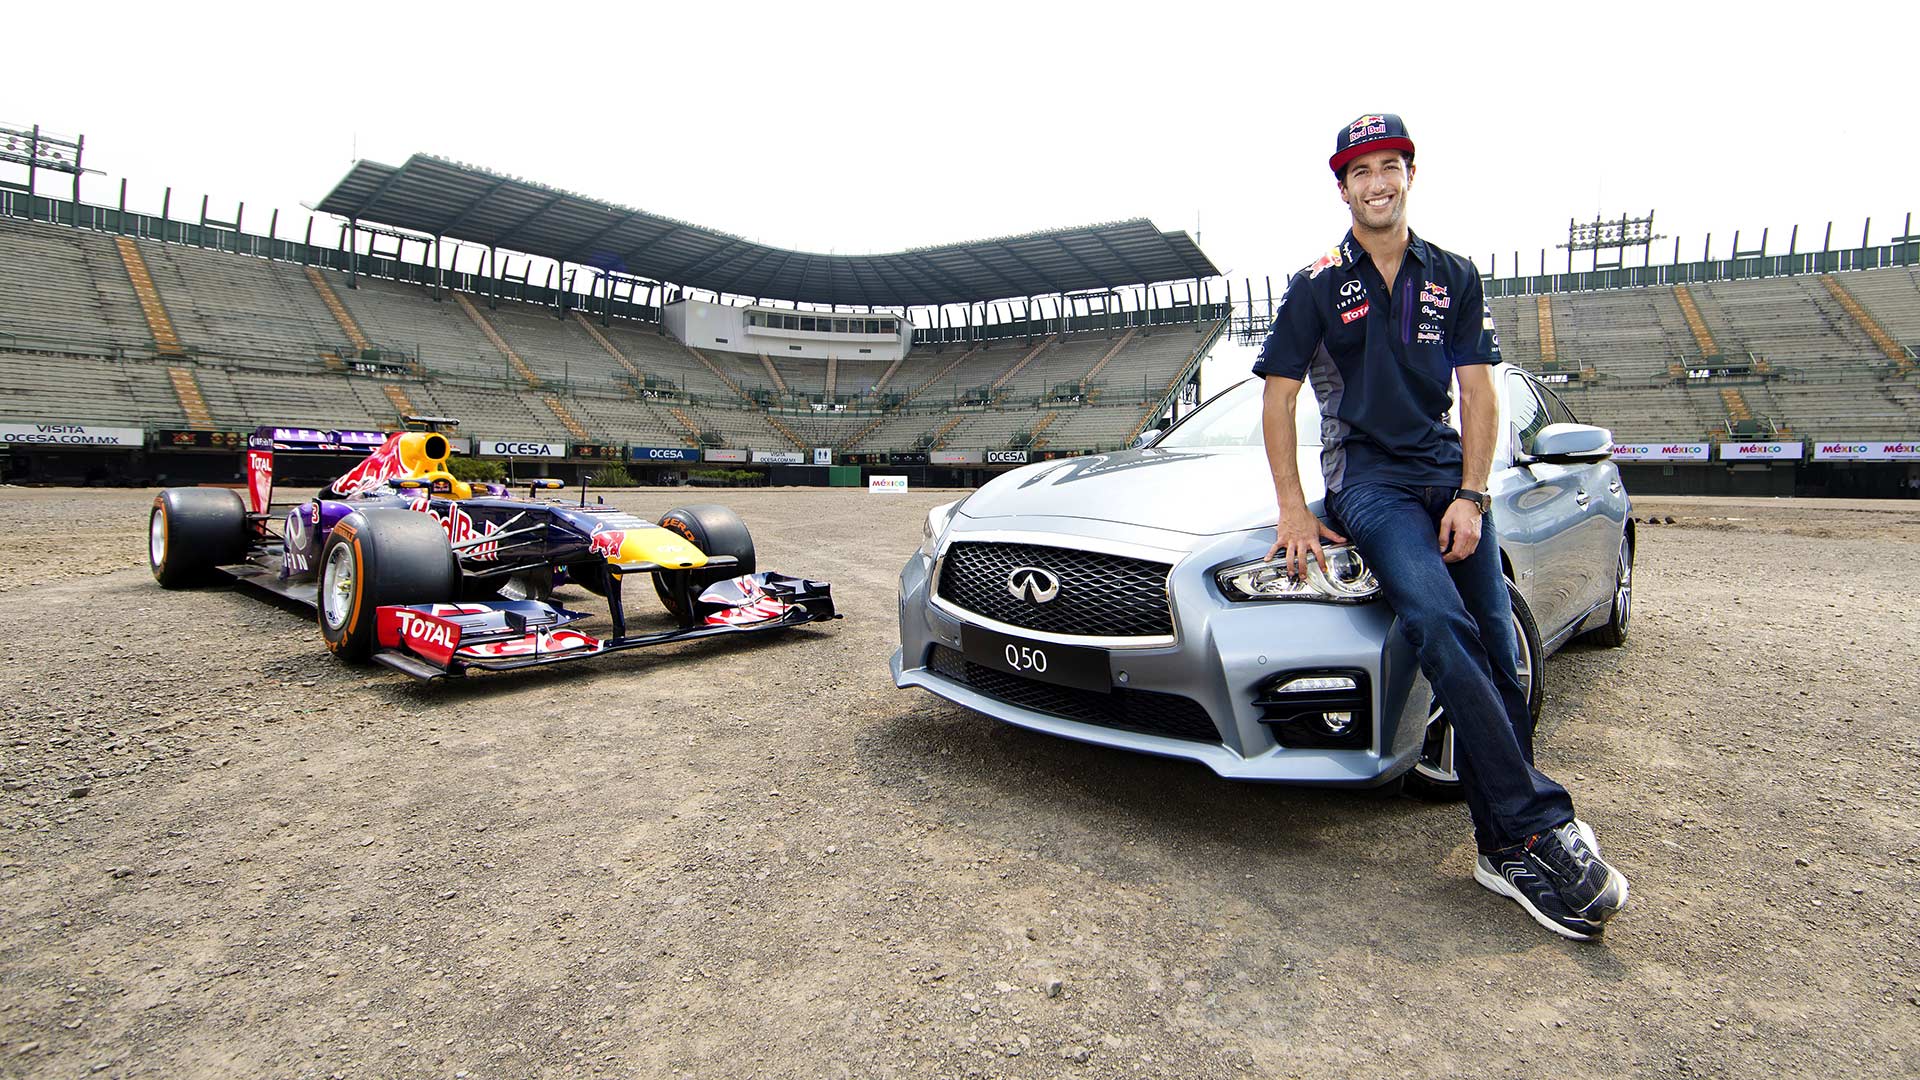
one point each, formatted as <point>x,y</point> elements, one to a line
<point>1341,179</point>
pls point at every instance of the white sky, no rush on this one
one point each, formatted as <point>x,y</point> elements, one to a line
<point>862,128</point>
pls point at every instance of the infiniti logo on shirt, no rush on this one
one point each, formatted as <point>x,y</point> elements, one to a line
<point>1032,584</point>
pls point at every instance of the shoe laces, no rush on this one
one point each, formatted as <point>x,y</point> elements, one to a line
<point>1568,860</point>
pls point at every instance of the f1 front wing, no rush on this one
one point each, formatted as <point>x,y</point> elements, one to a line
<point>430,641</point>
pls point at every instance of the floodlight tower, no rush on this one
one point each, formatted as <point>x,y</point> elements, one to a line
<point>39,152</point>
<point>1600,236</point>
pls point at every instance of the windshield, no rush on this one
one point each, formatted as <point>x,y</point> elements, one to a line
<point>1232,418</point>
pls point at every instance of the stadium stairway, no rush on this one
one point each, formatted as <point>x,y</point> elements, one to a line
<point>786,432</point>
<point>1549,352</point>
<point>400,400</point>
<point>1032,354</point>
<point>692,435</point>
<point>1881,339</point>
<point>566,417</point>
<point>721,375</point>
<point>892,370</point>
<point>941,374</point>
<point>773,373</point>
<point>192,402</point>
<point>165,340</point>
<point>865,431</point>
<point>1106,359</point>
<point>939,440</point>
<point>1036,440</point>
<point>1737,410</point>
<point>594,333</point>
<point>340,313</point>
<point>833,374</point>
<point>520,367</point>
<point>1701,335</point>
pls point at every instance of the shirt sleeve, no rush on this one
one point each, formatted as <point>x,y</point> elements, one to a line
<point>1474,340</point>
<point>1295,334</point>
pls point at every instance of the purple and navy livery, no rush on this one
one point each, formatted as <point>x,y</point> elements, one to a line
<point>407,566</point>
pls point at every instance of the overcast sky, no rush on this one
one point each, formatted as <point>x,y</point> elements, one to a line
<point>864,128</point>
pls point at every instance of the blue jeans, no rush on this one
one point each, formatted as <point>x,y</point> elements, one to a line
<point>1460,620</point>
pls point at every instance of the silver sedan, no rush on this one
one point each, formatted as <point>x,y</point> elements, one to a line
<point>1124,599</point>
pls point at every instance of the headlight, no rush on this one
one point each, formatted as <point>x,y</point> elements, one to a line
<point>936,524</point>
<point>1346,579</point>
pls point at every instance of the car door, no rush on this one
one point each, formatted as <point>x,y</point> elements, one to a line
<point>1537,504</point>
<point>1603,506</point>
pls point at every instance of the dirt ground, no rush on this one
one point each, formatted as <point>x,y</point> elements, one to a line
<point>224,855</point>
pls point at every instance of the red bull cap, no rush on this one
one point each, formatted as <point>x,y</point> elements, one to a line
<point>1367,133</point>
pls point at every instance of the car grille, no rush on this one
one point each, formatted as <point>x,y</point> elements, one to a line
<point>1100,595</point>
<point>1148,712</point>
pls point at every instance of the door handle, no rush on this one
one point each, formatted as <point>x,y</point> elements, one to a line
<point>1613,486</point>
<point>1582,498</point>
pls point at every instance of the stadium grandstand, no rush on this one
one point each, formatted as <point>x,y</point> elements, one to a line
<point>576,330</point>
<point>646,335</point>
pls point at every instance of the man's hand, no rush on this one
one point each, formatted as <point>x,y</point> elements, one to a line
<point>1459,530</point>
<point>1301,533</point>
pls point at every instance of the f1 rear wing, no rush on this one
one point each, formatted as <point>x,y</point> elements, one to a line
<point>264,441</point>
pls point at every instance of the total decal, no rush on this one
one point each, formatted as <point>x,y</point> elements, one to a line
<point>460,528</point>
<point>259,480</point>
<point>428,636</point>
<point>1352,305</point>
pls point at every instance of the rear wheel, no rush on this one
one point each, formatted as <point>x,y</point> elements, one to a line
<point>374,558</point>
<point>1436,774</point>
<point>715,530</point>
<point>192,530</point>
<point>1613,633</point>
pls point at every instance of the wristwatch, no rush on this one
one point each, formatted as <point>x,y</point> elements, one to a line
<point>1478,498</point>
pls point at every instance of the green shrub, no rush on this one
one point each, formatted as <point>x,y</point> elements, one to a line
<point>613,476</point>
<point>728,477</point>
<point>476,470</point>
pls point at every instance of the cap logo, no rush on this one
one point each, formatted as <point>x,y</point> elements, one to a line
<point>1365,126</point>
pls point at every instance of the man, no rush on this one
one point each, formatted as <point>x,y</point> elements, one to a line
<point>1382,324</point>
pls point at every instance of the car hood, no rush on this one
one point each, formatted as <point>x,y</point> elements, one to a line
<point>1202,491</point>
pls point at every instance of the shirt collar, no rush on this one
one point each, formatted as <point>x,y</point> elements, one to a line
<point>1416,249</point>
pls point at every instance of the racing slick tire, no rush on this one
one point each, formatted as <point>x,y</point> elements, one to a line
<point>1613,633</point>
<point>715,530</point>
<point>193,530</point>
<point>1433,776</point>
<point>377,557</point>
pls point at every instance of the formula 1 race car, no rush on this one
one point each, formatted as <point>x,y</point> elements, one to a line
<point>431,576</point>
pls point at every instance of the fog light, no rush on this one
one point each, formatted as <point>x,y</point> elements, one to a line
<point>1336,723</point>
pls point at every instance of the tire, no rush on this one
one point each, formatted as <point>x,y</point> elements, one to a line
<point>1433,776</point>
<point>374,558</point>
<point>715,530</point>
<point>192,530</point>
<point>1613,633</point>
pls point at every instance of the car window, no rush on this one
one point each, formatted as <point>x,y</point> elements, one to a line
<point>1525,410</point>
<point>1557,410</point>
<point>1233,419</point>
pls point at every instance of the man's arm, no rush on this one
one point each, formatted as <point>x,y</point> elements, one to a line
<point>1299,531</point>
<point>1479,426</point>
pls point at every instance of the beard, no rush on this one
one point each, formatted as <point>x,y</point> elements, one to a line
<point>1385,217</point>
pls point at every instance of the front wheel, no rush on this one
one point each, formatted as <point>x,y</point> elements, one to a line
<point>1436,775</point>
<point>192,530</point>
<point>715,530</point>
<point>374,558</point>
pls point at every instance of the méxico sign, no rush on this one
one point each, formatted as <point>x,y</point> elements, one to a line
<point>1693,451</point>
<point>1866,451</point>
<point>1761,451</point>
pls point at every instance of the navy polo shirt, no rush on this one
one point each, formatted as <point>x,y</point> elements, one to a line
<point>1382,363</point>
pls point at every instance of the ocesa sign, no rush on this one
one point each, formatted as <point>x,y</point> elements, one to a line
<point>521,448</point>
<point>665,453</point>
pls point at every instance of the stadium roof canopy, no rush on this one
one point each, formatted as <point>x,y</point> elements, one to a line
<point>443,198</point>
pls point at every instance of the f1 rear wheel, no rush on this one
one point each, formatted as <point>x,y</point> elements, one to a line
<point>192,530</point>
<point>715,530</point>
<point>374,558</point>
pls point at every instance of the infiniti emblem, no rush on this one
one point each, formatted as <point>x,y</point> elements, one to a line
<point>1032,583</point>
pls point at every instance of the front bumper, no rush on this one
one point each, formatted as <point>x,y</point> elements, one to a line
<point>1223,654</point>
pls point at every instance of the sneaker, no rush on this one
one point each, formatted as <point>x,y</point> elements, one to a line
<point>1560,879</point>
<point>1514,875</point>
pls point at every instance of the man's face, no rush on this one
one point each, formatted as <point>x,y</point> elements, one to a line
<point>1375,189</point>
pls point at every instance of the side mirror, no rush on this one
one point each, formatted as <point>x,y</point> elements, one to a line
<point>1569,444</point>
<point>1147,438</point>
<point>407,483</point>
<point>544,484</point>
